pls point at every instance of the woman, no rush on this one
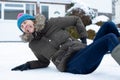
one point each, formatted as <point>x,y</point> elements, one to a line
<point>49,40</point>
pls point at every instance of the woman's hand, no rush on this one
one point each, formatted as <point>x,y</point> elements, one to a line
<point>22,67</point>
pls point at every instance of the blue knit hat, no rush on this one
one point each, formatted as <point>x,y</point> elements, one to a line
<point>22,17</point>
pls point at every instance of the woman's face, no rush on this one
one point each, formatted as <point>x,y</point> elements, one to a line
<point>28,26</point>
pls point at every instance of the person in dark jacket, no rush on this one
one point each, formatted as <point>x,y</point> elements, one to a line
<point>49,40</point>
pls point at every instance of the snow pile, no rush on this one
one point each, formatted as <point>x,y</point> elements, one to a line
<point>86,9</point>
<point>101,18</point>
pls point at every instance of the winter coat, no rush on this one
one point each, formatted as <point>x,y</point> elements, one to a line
<point>54,43</point>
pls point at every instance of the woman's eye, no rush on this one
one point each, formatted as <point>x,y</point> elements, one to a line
<point>24,22</point>
<point>21,26</point>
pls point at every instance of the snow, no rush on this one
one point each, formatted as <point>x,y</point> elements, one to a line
<point>79,5</point>
<point>13,54</point>
<point>93,27</point>
<point>87,10</point>
<point>102,18</point>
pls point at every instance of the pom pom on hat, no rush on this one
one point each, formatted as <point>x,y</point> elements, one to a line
<point>21,17</point>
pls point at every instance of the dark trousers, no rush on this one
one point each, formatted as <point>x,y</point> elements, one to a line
<point>88,59</point>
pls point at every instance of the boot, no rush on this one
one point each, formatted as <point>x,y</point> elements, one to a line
<point>116,54</point>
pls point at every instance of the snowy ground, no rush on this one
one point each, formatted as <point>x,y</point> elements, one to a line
<point>13,54</point>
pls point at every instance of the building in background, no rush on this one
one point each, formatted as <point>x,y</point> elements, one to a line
<point>117,12</point>
<point>10,8</point>
<point>50,8</point>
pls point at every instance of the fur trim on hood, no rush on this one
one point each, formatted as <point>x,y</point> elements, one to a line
<point>39,25</point>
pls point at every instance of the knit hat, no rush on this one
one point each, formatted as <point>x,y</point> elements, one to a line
<point>21,17</point>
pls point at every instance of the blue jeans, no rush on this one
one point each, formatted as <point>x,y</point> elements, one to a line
<point>88,59</point>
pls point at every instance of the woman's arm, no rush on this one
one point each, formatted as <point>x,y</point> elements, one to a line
<point>40,63</point>
<point>67,22</point>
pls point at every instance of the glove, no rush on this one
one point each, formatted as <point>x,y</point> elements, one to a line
<point>22,67</point>
<point>84,40</point>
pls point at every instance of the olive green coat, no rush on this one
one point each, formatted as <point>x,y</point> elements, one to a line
<point>54,42</point>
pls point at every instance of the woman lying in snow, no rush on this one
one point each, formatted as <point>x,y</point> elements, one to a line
<point>49,40</point>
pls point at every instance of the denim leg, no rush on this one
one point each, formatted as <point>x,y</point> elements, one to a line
<point>106,28</point>
<point>88,59</point>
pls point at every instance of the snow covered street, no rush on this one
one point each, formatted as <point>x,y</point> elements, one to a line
<point>13,54</point>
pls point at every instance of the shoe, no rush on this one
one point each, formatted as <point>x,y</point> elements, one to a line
<point>116,54</point>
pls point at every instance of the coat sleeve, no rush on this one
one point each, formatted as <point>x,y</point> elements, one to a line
<point>38,64</point>
<point>42,62</point>
<point>68,21</point>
